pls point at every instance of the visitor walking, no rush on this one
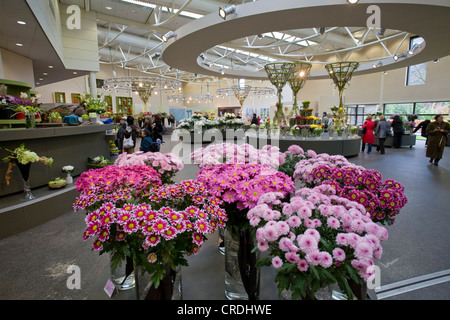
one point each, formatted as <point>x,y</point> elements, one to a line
<point>368,137</point>
<point>423,132</point>
<point>157,128</point>
<point>254,119</point>
<point>131,131</point>
<point>382,131</point>
<point>120,134</point>
<point>438,131</point>
<point>397,127</point>
<point>325,121</point>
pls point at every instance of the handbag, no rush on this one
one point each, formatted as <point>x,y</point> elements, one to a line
<point>364,130</point>
<point>128,143</point>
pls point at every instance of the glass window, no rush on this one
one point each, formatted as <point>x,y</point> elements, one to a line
<point>416,75</point>
<point>398,108</point>
<point>432,108</point>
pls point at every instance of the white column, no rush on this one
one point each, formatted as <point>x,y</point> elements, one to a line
<point>93,84</point>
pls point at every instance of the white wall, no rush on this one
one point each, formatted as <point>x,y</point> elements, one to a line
<point>16,67</point>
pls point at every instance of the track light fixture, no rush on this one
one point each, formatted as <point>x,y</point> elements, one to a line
<point>322,31</point>
<point>377,65</point>
<point>436,60</point>
<point>381,32</point>
<point>228,10</point>
<point>413,49</point>
<point>352,1</point>
<point>399,56</point>
<point>155,55</point>
<point>202,56</point>
<point>168,35</point>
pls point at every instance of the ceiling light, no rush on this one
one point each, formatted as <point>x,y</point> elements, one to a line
<point>50,67</point>
<point>168,35</point>
<point>436,60</point>
<point>413,49</point>
<point>322,31</point>
<point>381,32</point>
<point>399,56</point>
<point>21,22</point>
<point>155,55</point>
<point>207,63</point>
<point>228,10</point>
<point>141,3</point>
<point>75,72</point>
<point>108,8</point>
<point>45,73</point>
<point>260,36</point>
<point>202,56</point>
<point>352,1</point>
<point>19,44</point>
<point>377,65</point>
<point>222,71</point>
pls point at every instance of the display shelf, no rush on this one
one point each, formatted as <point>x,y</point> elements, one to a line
<point>408,140</point>
<point>67,145</point>
<point>348,147</point>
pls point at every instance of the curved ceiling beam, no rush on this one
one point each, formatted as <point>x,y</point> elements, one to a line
<point>425,18</point>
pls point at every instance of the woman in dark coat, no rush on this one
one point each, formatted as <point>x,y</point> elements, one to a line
<point>397,127</point>
<point>157,128</point>
<point>133,131</point>
<point>437,138</point>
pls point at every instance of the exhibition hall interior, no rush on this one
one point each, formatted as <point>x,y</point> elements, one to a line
<point>244,153</point>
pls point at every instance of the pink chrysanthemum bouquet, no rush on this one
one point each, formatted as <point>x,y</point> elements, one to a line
<point>316,239</point>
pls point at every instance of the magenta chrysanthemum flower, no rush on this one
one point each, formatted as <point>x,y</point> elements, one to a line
<point>131,226</point>
<point>197,238</point>
<point>97,245</point>
<point>160,225</point>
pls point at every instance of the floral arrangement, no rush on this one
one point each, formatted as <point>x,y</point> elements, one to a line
<point>22,156</point>
<point>300,129</point>
<point>316,239</point>
<point>241,185</point>
<point>98,161</point>
<point>231,153</point>
<point>156,226</point>
<point>97,105</point>
<point>292,156</point>
<point>339,118</point>
<point>228,120</point>
<point>167,165</point>
<point>68,169</point>
<point>21,104</point>
<point>316,129</point>
<point>383,200</point>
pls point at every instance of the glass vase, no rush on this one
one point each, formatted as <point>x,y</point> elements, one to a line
<point>242,277</point>
<point>123,275</point>
<point>30,121</point>
<point>170,287</point>
<point>25,172</point>
<point>321,294</point>
<point>69,179</point>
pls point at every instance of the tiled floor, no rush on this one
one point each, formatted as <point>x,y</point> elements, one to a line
<point>33,264</point>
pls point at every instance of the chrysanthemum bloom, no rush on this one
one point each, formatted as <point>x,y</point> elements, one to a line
<point>152,240</point>
<point>98,245</point>
<point>307,243</point>
<point>120,236</point>
<point>197,238</point>
<point>152,257</point>
<point>160,225</point>
<point>338,254</point>
<point>302,265</point>
<point>277,262</point>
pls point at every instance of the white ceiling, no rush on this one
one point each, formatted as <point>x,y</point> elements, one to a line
<point>129,36</point>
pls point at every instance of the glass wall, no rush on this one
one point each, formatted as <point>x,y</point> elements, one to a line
<point>424,110</point>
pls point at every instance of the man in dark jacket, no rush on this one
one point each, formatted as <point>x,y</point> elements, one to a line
<point>423,125</point>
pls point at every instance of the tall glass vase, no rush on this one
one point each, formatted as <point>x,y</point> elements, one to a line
<point>123,275</point>
<point>321,294</point>
<point>242,277</point>
<point>25,172</point>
